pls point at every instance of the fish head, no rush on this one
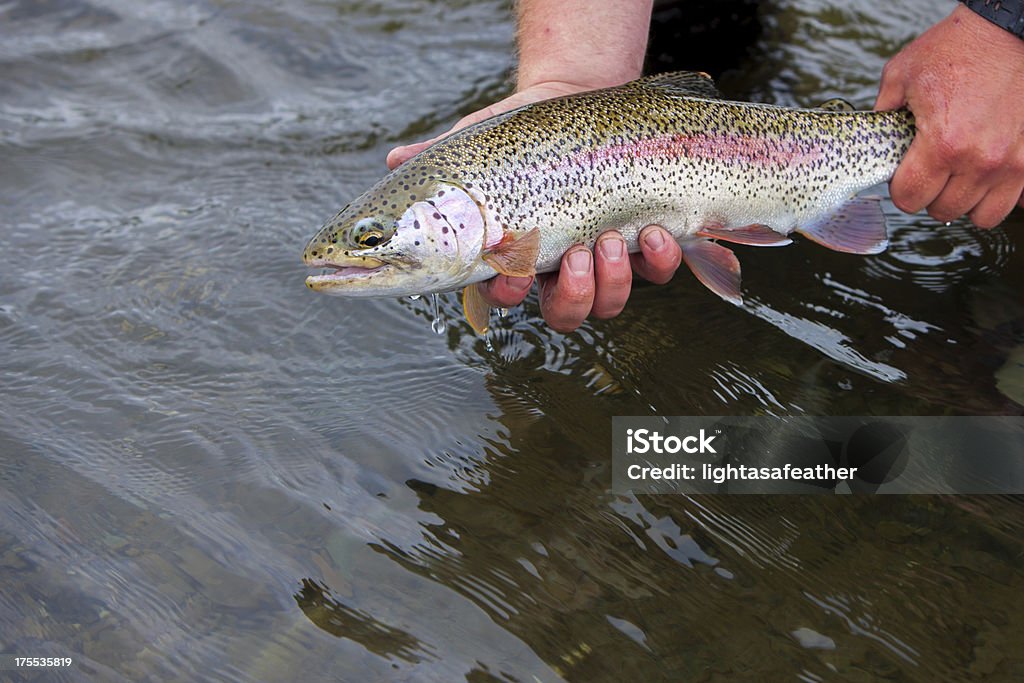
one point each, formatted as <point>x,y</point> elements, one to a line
<point>403,237</point>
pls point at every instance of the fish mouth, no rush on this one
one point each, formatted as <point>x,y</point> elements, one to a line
<point>340,276</point>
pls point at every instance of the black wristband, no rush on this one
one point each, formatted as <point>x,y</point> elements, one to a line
<point>1007,14</point>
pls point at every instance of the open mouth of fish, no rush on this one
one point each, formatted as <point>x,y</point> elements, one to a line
<point>332,274</point>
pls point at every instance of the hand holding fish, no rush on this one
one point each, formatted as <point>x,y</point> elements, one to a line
<point>593,286</point>
<point>534,93</point>
<point>962,79</point>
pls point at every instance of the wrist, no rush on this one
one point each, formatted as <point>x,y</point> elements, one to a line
<point>589,67</point>
<point>1007,15</point>
<point>592,44</point>
<point>571,80</point>
<point>988,41</point>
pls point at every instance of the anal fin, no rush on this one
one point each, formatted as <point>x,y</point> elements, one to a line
<point>753,235</point>
<point>716,267</point>
<point>476,310</point>
<point>516,257</point>
<point>857,227</point>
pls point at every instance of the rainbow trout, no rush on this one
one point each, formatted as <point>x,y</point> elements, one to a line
<point>511,194</point>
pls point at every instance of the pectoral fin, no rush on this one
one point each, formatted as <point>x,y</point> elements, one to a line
<point>857,227</point>
<point>477,311</point>
<point>516,257</point>
<point>715,266</point>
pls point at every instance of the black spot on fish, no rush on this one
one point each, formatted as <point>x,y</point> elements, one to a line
<point>416,224</point>
<point>445,229</point>
<point>417,243</point>
<point>437,215</point>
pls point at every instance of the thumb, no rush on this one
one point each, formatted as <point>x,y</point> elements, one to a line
<point>892,93</point>
<point>399,155</point>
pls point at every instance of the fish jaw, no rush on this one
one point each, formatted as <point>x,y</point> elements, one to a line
<point>351,280</point>
<point>385,279</point>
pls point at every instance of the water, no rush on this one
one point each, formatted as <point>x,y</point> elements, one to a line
<point>437,323</point>
<point>209,473</point>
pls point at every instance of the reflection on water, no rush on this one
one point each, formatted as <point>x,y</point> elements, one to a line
<point>207,472</point>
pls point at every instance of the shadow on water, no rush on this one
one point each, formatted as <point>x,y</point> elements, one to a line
<point>208,473</point>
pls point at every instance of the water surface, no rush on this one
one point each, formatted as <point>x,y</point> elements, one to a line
<point>209,473</point>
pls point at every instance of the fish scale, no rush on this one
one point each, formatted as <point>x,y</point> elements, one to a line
<point>663,150</point>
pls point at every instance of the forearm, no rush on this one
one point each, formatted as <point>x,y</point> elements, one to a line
<point>593,43</point>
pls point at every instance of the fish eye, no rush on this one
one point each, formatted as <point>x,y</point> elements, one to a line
<point>369,233</point>
<point>370,239</point>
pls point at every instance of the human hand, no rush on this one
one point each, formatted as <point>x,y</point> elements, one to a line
<point>591,284</point>
<point>534,93</point>
<point>597,283</point>
<point>962,79</point>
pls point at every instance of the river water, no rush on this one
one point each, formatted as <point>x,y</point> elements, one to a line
<point>209,473</point>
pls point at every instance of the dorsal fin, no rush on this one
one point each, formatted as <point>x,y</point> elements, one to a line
<point>836,104</point>
<point>689,83</point>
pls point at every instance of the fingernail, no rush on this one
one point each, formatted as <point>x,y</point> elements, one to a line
<point>654,239</point>
<point>579,262</point>
<point>612,248</point>
<point>519,284</point>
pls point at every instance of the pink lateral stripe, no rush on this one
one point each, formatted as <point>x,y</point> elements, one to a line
<point>725,148</point>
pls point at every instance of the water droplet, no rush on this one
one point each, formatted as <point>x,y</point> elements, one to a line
<point>437,324</point>
<point>414,297</point>
<point>949,223</point>
<point>502,312</point>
